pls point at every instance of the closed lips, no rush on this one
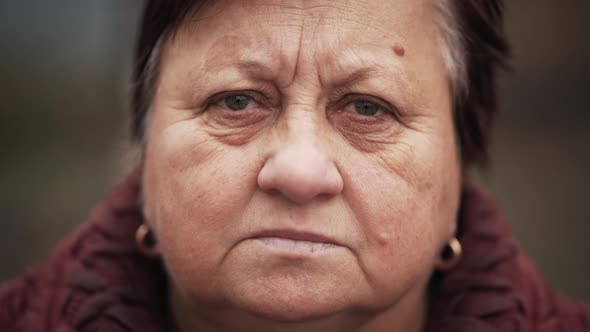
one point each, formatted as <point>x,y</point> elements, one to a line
<point>295,245</point>
<point>296,241</point>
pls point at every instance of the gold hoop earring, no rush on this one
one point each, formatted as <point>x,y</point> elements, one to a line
<point>146,242</point>
<point>450,256</point>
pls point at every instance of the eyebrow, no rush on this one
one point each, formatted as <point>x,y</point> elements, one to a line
<point>247,68</point>
<point>356,74</point>
<point>252,67</point>
<point>355,77</point>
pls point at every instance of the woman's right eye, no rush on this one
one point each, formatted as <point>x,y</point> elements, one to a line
<point>237,102</point>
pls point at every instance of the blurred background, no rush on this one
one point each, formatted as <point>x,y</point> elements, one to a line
<point>64,69</point>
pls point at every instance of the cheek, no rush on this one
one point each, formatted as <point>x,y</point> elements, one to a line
<point>186,183</point>
<point>396,217</point>
<point>406,204</point>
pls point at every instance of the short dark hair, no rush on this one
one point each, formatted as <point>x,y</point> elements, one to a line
<point>480,27</point>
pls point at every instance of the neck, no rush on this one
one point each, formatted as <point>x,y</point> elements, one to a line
<point>407,315</point>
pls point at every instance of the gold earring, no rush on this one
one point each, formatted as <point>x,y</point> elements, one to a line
<point>144,237</point>
<point>450,256</point>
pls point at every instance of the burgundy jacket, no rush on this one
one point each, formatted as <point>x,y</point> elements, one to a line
<point>96,280</point>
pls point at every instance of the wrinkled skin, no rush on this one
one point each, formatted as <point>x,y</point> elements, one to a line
<point>334,132</point>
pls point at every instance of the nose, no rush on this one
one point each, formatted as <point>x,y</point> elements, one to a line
<point>301,171</point>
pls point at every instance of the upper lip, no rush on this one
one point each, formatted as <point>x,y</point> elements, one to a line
<point>296,235</point>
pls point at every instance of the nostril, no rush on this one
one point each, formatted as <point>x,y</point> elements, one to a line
<point>273,192</point>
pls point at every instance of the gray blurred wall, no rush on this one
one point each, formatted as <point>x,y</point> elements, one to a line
<point>64,68</point>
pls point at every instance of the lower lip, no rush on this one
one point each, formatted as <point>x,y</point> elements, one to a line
<point>296,246</point>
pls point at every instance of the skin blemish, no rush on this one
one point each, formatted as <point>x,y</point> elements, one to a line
<point>399,50</point>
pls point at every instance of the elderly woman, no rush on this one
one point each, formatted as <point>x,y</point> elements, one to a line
<point>304,169</point>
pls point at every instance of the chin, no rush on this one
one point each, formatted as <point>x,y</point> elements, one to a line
<point>290,300</point>
<point>285,309</point>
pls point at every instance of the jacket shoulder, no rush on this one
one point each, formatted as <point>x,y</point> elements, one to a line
<point>29,302</point>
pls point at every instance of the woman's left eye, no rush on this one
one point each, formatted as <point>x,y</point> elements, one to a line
<point>367,108</point>
<point>237,102</point>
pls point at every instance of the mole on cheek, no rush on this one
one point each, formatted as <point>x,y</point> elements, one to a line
<point>399,50</point>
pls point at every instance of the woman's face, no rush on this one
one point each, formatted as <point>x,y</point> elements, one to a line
<point>300,157</point>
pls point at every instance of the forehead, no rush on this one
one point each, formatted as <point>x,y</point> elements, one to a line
<point>370,15</point>
<point>279,32</point>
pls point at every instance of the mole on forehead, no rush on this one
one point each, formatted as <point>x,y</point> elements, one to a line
<point>399,50</point>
